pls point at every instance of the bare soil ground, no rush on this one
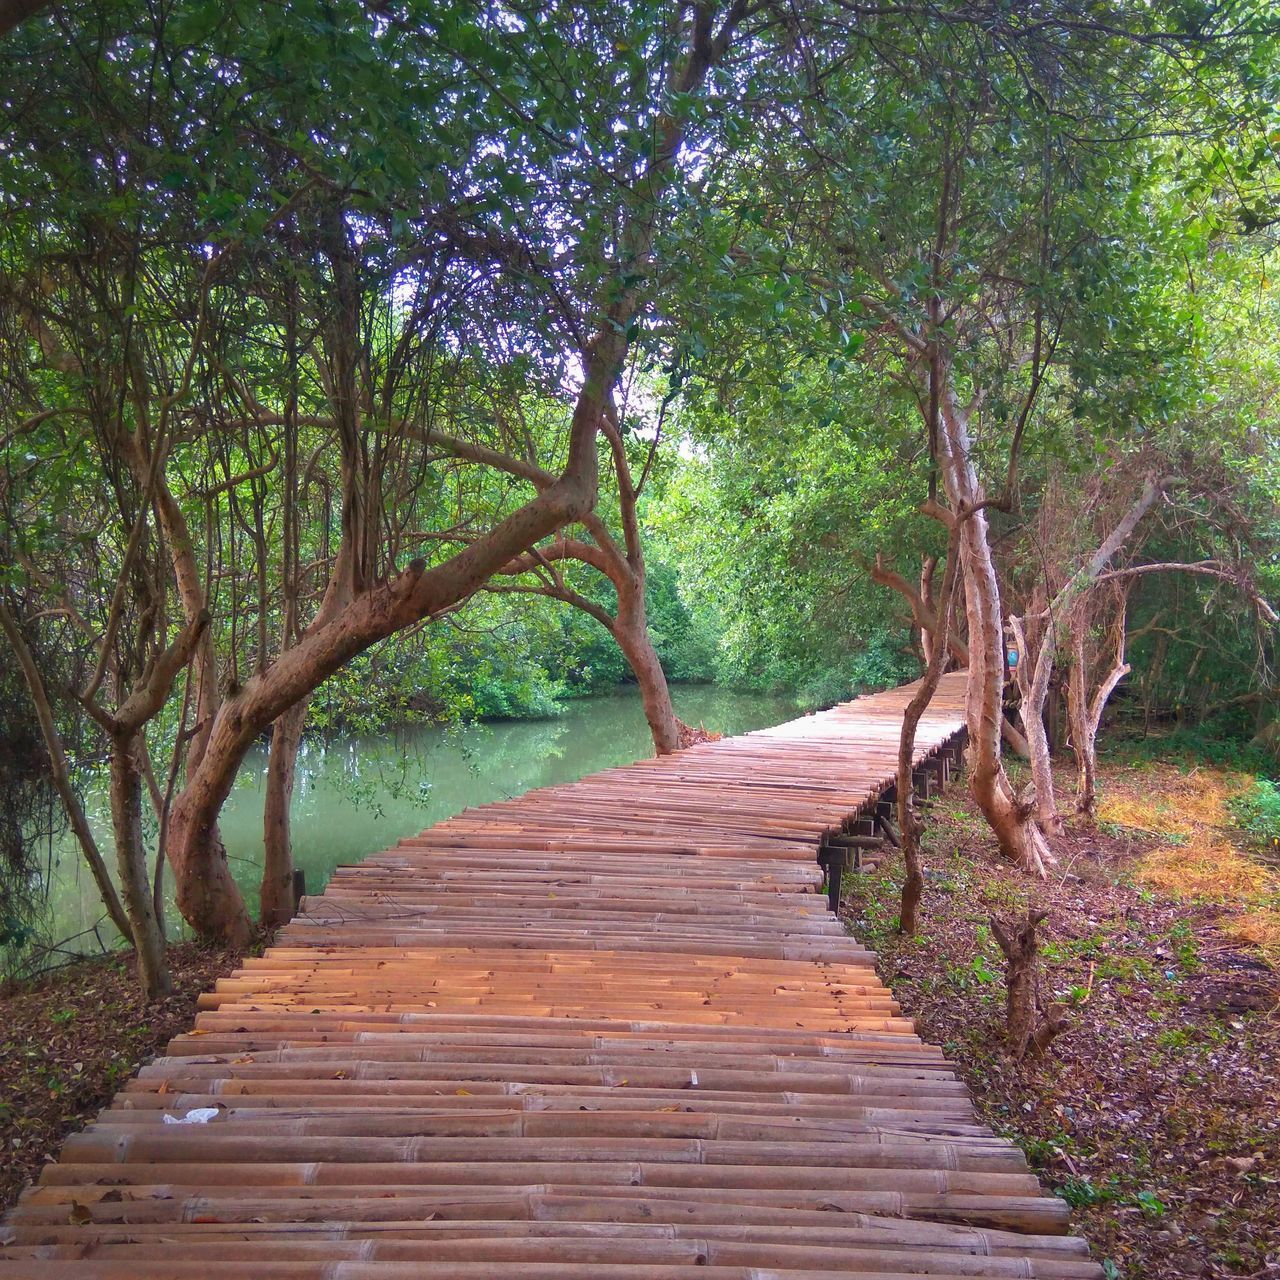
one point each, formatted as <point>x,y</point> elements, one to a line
<point>1158,1116</point>
<point>70,1039</point>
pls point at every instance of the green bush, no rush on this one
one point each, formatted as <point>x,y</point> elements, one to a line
<point>880,664</point>
<point>1257,812</point>
<point>1211,742</point>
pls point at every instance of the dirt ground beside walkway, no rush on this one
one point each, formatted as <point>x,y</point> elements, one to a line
<point>1158,1116</point>
<point>69,1040</point>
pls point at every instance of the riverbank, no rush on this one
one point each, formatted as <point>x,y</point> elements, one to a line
<point>1158,1116</point>
<point>71,1037</point>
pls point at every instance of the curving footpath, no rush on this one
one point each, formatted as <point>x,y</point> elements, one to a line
<point>607,1030</point>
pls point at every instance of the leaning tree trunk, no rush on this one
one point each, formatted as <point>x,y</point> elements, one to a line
<point>60,771</point>
<point>629,623</point>
<point>206,893</point>
<point>631,630</point>
<point>655,694</point>
<point>135,883</point>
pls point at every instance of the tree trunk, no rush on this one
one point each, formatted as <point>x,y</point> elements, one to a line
<point>61,772</point>
<point>1086,713</point>
<point>277,904</point>
<point>1047,814</point>
<point>1053,715</point>
<point>1028,1032</point>
<point>1034,690</point>
<point>135,883</point>
<point>1020,947</point>
<point>217,893</point>
<point>206,893</point>
<point>633,639</point>
<point>276,891</point>
<point>1078,716</point>
<point>908,820</point>
<point>1009,817</point>
<point>1086,774</point>
<point>629,627</point>
<point>624,567</point>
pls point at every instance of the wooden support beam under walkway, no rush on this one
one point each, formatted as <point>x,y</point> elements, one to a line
<point>604,1031</point>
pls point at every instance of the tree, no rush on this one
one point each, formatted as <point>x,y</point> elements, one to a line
<point>624,568</point>
<point>479,202</point>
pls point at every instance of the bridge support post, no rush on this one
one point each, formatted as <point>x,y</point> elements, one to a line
<point>833,859</point>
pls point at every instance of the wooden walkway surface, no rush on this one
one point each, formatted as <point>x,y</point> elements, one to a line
<point>606,1030</point>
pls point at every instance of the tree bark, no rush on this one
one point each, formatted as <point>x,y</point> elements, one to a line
<point>908,820</point>
<point>1020,946</point>
<point>1028,1030</point>
<point>60,771</point>
<point>276,891</point>
<point>1078,715</point>
<point>131,856</point>
<point>276,904</point>
<point>631,631</point>
<point>1009,816</point>
<point>1034,689</point>
<point>1086,712</point>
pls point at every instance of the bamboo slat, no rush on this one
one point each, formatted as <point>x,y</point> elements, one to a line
<point>605,1030</point>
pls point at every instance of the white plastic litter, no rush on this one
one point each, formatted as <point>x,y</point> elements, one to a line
<point>201,1115</point>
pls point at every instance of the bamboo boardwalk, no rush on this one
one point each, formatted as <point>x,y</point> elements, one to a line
<point>606,1030</point>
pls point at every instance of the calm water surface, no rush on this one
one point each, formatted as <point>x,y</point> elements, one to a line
<point>355,796</point>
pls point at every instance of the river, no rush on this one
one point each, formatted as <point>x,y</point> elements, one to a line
<point>356,795</point>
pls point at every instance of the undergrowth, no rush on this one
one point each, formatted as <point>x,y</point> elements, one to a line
<point>1257,812</point>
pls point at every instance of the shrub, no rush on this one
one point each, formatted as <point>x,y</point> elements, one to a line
<point>1257,812</point>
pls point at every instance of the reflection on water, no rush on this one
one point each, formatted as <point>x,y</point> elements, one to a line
<point>355,796</point>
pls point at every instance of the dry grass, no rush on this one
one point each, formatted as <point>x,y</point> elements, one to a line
<point>1204,862</point>
<point>1206,872</point>
<point>1257,927</point>
<point>1173,803</point>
